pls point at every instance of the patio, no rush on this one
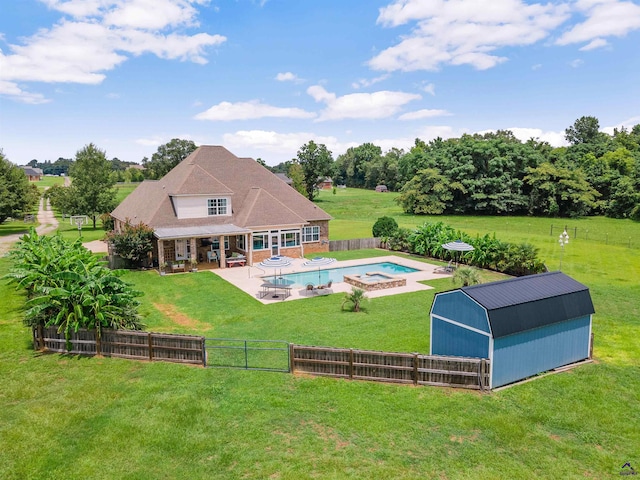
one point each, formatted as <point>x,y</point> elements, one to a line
<point>250,279</point>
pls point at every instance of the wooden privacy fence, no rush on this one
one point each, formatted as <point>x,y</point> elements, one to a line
<point>412,368</point>
<point>125,344</point>
<point>353,244</point>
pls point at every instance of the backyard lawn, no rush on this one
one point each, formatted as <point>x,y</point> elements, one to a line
<point>65,417</point>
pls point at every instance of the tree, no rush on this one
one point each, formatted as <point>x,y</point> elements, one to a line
<point>17,195</point>
<point>584,130</point>
<point>355,297</point>
<point>134,242</point>
<point>296,175</point>
<point>168,156</point>
<point>316,162</point>
<point>427,193</point>
<point>91,192</point>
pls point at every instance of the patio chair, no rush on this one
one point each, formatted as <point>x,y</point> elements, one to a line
<point>212,256</point>
<point>328,285</point>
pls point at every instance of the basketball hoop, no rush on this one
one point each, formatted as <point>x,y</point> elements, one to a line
<point>79,220</point>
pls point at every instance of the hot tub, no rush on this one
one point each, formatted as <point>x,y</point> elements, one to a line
<point>375,281</point>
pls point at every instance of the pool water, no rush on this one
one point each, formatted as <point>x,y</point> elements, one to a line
<point>322,277</point>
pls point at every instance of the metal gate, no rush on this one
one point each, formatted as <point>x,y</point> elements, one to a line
<point>271,355</point>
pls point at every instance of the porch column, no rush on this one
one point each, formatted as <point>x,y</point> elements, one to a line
<point>160,252</point>
<point>250,248</point>
<point>192,247</point>
<point>223,255</point>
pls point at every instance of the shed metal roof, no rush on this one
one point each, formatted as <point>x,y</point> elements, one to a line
<point>532,301</point>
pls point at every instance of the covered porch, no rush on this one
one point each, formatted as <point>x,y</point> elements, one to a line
<point>206,247</point>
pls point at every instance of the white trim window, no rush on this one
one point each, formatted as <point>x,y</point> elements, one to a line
<point>217,206</point>
<point>240,242</point>
<point>290,238</point>
<point>311,234</point>
<point>261,240</point>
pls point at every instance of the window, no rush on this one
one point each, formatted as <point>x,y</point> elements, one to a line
<point>215,243</point>
<point>260,241</point>
<point>217,206</point>
<point>311,234</point>
<point>182,249</point>
<point>290,238</point>
<point>240,242</point>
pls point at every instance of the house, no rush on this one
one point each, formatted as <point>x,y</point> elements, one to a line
<point>325,183</point>
<point>215,201</point>
<point>32,173</point>
<point>524,325</point>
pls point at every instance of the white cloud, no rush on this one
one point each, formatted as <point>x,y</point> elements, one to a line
<point>363,82</point>
<point>283,145</point>
<point>605,18</point>
<point>537,66</point>
<point>99,38</point>
<point>555,139</point>
<point>155,141</point>
<point>12,90</point>
<point>429,88</point>
<point>226,111</point>
<point>629,123</point>
<point>576,63</point>
<point>288,77</point>
<point>595,43</point>
<point>424,113</point>
<point>463,32</point>
<point>381,104</point>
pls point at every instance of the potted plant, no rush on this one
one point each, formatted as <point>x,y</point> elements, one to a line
<point>194,264</point>
<point>163,268</point>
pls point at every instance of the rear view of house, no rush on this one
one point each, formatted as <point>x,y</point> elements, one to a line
<point>524,325</point>
<point>216,202</point>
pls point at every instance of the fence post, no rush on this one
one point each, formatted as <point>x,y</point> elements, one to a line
<point>98,343</point>
<point>591,346</point>
<point>246,356</point>
<point>292,352</point>
<point>150,347</point>
<point>41,337</point>
<point>351,364</point>
<point>204,352</point>
<point>481,368</point>
<point>415,369</point>
<point>575,232</point>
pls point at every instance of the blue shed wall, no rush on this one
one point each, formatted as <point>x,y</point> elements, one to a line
<point>459,307</point>
<point>527,353</point>
<point>453,340</point>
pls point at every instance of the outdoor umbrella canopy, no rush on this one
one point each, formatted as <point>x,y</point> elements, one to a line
<point>318,262</point>
<point>458,246</point>
<point>276,262</point>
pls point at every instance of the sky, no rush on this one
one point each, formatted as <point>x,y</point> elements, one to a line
<point>264,77</point>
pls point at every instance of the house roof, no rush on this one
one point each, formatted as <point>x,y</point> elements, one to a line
<point>32,171</point>
<point>258,197</point>
<point>532,301</point>
<point>284,178</point>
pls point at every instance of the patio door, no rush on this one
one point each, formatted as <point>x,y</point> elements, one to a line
<point>275,243</point>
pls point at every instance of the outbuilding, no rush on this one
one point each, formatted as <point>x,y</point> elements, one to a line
<point>524,325</point>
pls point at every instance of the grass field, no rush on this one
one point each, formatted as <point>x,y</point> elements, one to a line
<point>64,417</point>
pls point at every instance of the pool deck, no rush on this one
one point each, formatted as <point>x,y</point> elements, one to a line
<point>249,279</point>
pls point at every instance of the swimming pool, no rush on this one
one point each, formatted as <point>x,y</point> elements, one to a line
<point>322,277</point>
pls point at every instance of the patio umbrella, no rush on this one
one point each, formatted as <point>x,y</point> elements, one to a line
<point>458,246</point>
<point>318,262</point>
<point>275,263</point>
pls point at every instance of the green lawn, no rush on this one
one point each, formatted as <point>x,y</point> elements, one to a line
<point>49,181</point>
<point>12,227</point>
<point>64,417</point>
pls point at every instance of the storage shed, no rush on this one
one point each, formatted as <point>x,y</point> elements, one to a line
<point>524,325</point>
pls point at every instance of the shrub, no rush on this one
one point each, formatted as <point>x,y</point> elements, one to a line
<point>134,243</point>
<point>69,287</point>
<point>384,227</point>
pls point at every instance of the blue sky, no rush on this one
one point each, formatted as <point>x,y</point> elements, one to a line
<point>264,77</point>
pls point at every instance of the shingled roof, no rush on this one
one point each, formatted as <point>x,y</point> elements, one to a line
<point>532,301</point>
<point>258,197</point>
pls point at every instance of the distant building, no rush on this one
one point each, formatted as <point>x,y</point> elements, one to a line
<point>284,178</point>
<point>325,184</point>
<point>382,188</point>
<point>32,173</point>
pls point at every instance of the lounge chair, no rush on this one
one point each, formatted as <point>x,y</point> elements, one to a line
<point>328,285</point>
